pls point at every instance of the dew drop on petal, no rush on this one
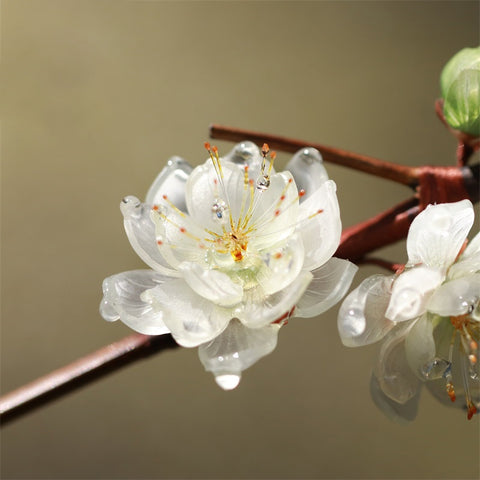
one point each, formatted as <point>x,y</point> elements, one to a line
<point>228,381</point>
<point>219,211</point>
<point>435,369</point>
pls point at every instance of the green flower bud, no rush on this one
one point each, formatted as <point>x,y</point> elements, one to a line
<point>460,85</point>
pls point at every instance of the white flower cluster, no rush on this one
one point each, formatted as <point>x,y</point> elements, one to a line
<point>427,315</point>
<point>234,249</point>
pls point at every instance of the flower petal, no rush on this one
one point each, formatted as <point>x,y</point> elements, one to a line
<point>177,237</point>
<point>171,182</point>
<point>361,319</point>
<point>456,297</point>
<point>141,234</point>
<point>258,309</point>
<point>320,225</point>
<point>467,265</point>
<point>394,375</point>
<point>308,171</point>
<point>330,283</point>
<point>192,319</point>
<point>282,265</point>
<point>122,300</point>
<point>437,234</point>
<point>411,291</point>
<point>212,284</point>
<point>473,246</point>
<point>246,154</point>
<point>420,347</point>
<point>237,348</point>
<point>398,412</point>
<point>205,188</point>
<point>275,211</point>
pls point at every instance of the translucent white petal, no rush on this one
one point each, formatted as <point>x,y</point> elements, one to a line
<point>205,189</point>
<point>320,231</point>
<point>473,246</point>
<point>420,346</point>
<point>171,182</point>
<point>212,284</point>
<point>456,297</point>
<point>237,348</point>
<point>282,265</point>
<point>467,265</point>
<point>361,319</point>
<point>275,211</point>
<point>399,412</point>
<point>246,154</point>
<point>330,283</point>
<point>391,368</point>
<point>411,291</point>
<point>121,299</point>
<point>437,234</point>
<point>192,319</point>
<point>141,234</point>
<point>308,171</point>
<point>258,309</point>
<point>177,237</point>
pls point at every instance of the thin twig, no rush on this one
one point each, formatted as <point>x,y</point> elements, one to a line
<point>364,163</point>
<point>81,372</point>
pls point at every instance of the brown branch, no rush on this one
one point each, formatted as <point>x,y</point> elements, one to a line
<point>79,373</point>
<point>384,229</point>
<point>391,171</point>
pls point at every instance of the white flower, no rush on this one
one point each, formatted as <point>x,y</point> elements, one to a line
<point>427,315</point>
<point>235,249</point>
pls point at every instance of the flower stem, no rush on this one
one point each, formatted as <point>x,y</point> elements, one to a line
<point>81,372</point>
<point>391,171</point>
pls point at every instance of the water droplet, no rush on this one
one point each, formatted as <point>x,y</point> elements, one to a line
<point>436,368</point>
<point>219,211</point>
<point>228,381</point>
<point>263,183</point>
<point>244,151</point>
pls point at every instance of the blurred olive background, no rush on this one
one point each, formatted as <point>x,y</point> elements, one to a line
<point>97,95</point>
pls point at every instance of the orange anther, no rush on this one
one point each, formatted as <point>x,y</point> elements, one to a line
<point>207,146</point>
<point>278,255</point>
<point>320,210</point>
<point>473,345</point>
<point>282,198</point>
<point>164,197</point>
<point>290,180</point>
<point>159,242</point>
<point>451,391</point>
<point>473,359</point>
<point>155,207</point>
<point>472,410</point>
<point>273,155</point>
<point>265,149</point>
<point>214,149</point>
<point>301,193</point>
<point>182,229</point>
<point>251,182</point>
<point>277,213</point>
<point>246,168</point>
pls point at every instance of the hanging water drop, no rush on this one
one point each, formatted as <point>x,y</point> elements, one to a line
<point>228,381</point>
